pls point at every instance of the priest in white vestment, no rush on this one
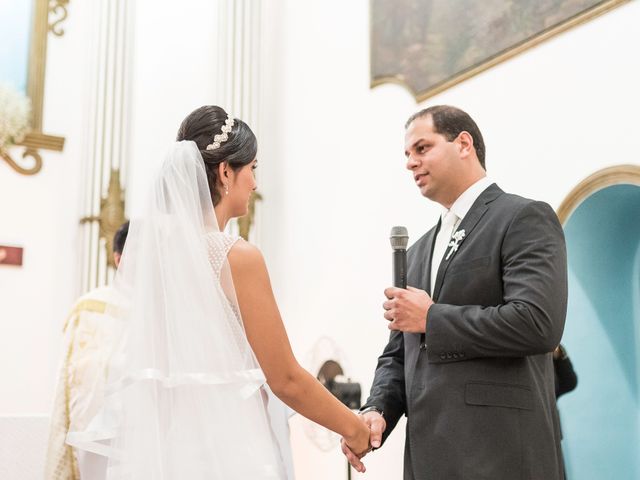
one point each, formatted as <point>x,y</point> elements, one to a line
<point>90,336</point>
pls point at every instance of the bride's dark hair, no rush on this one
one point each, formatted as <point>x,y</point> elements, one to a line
<point>239,150</point>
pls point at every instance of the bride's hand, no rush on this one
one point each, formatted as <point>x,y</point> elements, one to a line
<point>360,443</point>
<point>376,425</point>
<point>357,446</point>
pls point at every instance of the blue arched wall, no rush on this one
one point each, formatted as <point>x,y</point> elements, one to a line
<point>600,419</point>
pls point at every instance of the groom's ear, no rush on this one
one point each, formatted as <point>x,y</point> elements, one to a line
<point>465,140</point>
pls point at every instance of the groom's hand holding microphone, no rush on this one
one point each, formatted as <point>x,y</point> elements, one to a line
<point>406,307</point>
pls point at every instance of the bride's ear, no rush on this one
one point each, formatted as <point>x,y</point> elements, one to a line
<point>223,174</point>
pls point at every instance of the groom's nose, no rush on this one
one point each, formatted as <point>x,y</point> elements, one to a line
<point>412,162</point>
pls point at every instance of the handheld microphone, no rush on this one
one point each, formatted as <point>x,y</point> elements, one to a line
<point>399,239</point>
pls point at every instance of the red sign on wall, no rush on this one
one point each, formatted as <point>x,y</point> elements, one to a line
<point>11,255</point>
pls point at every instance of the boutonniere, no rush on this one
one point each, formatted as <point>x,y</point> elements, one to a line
<point>456,238</point>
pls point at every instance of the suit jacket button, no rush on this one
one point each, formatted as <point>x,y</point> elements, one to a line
<point>461,354</point>
<point>443,356</point>
<point>455,355</point>
<point>449,355</point>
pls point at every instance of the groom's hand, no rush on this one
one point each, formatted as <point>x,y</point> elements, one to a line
<point>377,426</point>
<point>407,309</point>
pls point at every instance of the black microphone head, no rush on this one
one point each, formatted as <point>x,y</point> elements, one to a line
<point>399,238</point>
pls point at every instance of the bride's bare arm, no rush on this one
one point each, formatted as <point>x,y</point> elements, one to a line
<point>266,333</point>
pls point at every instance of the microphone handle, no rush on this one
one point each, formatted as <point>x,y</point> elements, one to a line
<point>400,268</point>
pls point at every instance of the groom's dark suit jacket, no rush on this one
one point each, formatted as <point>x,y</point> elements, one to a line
<point>478,388</point>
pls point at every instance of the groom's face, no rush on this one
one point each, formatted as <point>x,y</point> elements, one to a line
<point>433,160</point>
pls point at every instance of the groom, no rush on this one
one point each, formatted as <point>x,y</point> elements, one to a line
<point>469,356</point>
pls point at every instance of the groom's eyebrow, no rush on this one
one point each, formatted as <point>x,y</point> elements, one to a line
<point>415,144</point>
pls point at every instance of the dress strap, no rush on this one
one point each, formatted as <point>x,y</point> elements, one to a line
<point>218,246</point>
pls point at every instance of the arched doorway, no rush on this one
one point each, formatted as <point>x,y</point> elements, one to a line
<point>601,419</point>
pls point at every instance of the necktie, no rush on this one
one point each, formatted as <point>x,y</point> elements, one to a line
<point>447,225</point>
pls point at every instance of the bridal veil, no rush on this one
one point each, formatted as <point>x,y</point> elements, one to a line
<point>184,399</point>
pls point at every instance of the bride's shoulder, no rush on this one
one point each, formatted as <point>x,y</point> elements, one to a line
<point>244,256</point>
<point>243,251</point>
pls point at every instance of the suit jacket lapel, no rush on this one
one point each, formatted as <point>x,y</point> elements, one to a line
<point>412,341</point>
<point>470,220</point>
<point>430,244</point>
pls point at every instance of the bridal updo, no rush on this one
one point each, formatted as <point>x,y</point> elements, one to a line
<point>240,149</point>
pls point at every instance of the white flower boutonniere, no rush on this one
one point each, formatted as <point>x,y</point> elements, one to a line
<point>456,238</point>
<point>15,112</point>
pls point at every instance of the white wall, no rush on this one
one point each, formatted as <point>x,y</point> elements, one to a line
<point>333,168</point>
<point>174,72</point>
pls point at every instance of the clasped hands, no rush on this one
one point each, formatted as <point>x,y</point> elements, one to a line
<point>376,425</point>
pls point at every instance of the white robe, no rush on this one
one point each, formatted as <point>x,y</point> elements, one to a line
<point>90,334</point>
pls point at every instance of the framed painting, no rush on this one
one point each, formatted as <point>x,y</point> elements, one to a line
<point>431,45</point>
<point>23,53</point>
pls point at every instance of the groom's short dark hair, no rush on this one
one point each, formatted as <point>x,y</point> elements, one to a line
<point>450,121</point>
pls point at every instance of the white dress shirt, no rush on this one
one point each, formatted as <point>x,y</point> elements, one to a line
<point>460,208</point>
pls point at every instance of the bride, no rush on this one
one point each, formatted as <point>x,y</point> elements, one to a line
<point>201,329</point>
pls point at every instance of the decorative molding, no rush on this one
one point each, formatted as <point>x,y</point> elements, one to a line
<point>111,215</point>
<point>36,140</point>
<point>245,223</point>
<point>33,142</point>
<point>238,59</point>
<point>18,167</point>
<point>58,8</point>
<point>617,175</point>
<point>106,146</point>
<point>37,62</point>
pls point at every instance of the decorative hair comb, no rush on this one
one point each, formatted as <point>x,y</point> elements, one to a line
<point>224,136</point>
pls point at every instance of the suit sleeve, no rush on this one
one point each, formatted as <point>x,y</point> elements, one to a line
<point>388,390</point>
<point>531,318</point>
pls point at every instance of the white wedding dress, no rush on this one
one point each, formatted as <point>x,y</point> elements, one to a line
<point>185,397</point>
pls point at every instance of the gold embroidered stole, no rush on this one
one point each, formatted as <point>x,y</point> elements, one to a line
<point>61,462</point>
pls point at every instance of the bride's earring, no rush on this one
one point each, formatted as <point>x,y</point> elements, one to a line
<point>226,189</point>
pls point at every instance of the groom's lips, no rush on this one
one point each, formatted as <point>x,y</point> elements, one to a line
<point>419,178</point>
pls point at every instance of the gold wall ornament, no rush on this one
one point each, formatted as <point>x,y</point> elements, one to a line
<point>59,9</point>
<point>245,223</point>
<point>36,139</point>
<point>607,177</point>
<point>33,142</point>
<point>428,46</point>
<point>111,215</point>
<point>24,169</point>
